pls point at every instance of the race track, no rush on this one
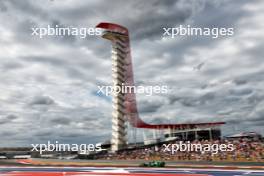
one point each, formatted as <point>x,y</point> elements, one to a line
<point>110,171</point>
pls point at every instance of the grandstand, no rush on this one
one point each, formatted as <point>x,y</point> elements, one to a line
<point>245,151</point>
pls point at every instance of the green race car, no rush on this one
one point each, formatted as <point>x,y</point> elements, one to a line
<point>153,164</point>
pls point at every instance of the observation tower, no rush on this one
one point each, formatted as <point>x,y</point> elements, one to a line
<point>124,104</point>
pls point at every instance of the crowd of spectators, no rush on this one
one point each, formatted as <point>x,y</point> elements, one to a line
<point>244,150</point>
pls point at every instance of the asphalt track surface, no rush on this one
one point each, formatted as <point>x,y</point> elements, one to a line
<point>112,171</point>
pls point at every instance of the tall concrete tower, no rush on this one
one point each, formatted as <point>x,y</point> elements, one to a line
<point>119,52</point>
<point>125,105</point>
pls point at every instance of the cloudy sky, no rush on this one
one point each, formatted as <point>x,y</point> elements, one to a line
<point>48,86</point>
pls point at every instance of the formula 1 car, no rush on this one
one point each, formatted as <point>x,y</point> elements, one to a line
<point>153,164</point>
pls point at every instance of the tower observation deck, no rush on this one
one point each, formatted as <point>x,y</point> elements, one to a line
<point>124,104</point>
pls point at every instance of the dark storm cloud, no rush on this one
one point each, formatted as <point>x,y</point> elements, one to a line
<point>7,119</point>
<point>154,15</point>
<point>144,18</point>
<point>149,106</point>
<point>11,117</point>
<point>240,92</point>
<point>58,64</point>
<point>42,100</point>
<point>3,7</point>
<point>41,133</point>
<point>253,77</point>
<point>10,65</point>
<point>190,101</point>
<point>239,81</point>
<point>60,121</point>
<point>26,8</point>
